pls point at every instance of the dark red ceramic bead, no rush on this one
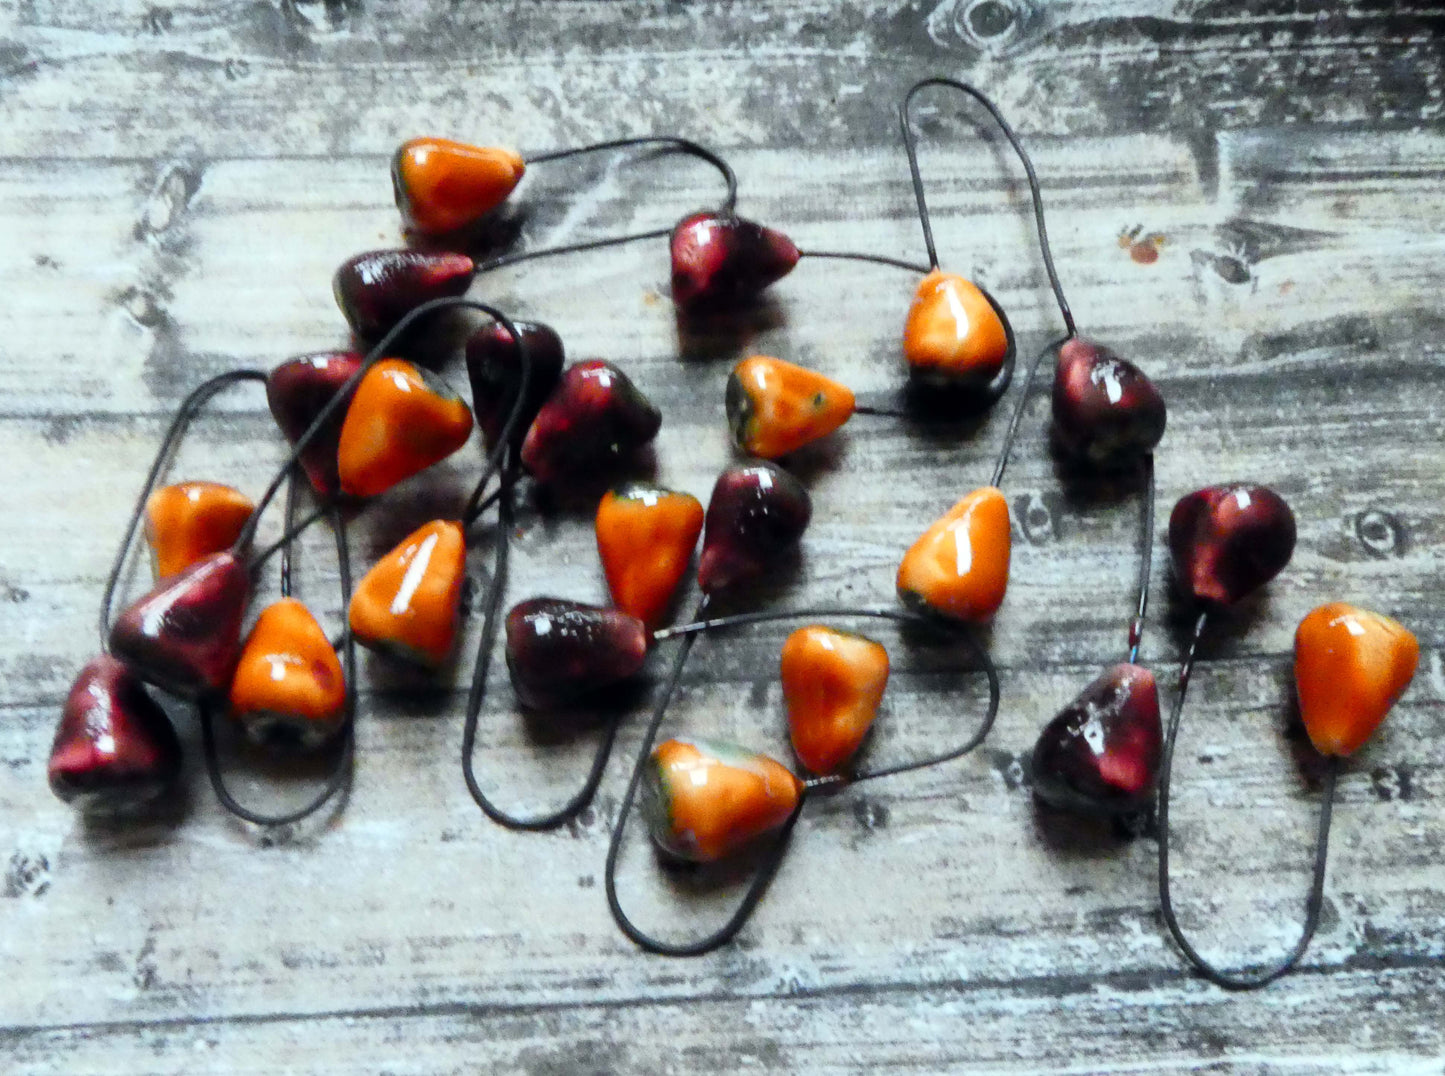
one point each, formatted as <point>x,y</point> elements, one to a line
<point>495,370</point>
<point>185,635</point>
<point>296,392</point>
<point>593,418</point>
<point>377,289</point>
<point>1228,541</point>
<point>721,261</point>
<point>114,749</point>
<point>757,512</point>
<point>558,651</point>
<point>1101,754</point>
<point>1106,411</point>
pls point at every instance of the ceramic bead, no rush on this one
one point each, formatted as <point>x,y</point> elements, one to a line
<point>408,605</point>
<point>1351,666</point>
<point>595,417</point>
<point>1105,410</point>
<point>959,567</point>
<point>775,407</point>
<point>833,683</point>
<point>646,536</point>
<point>402,420</point>
<point>953,335</point>
<point>377,289</point>
<point>1228,541</point>
<point>442,186</point>
<point>288,684</point>
<point>297,391</point>
<point>559,651</point>
<point>757,513</point>
<point>189,521</point>
<point>720,261</point>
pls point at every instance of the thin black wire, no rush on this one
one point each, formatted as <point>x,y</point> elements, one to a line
<point>1011,434</point>
<point>861,256</point>
<point>911,148</point>
<point>288,526</point>
<point>257,560</point>
<point>340,775</point>
<point>1314,901</point>
<point>685,145</point>
<point>190,406</point>
<point>1146,558</point>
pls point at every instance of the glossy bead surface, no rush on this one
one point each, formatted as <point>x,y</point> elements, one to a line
<point>1350,667</point>
<point>722,261</point>
<point>559,651</point>
<point>833,683</point>
<point>958,568</point>
<point>297,391</point>
<point>646,536</point>
<point>288,683</point>
<point>775,407</point>
<point>703,800</point>
<point>1106,411</point>
<point>402,420</point>
<point>442,186</point>
<point>408,605</point>
<point>185,635</point>
<point>595,417</point>
<point>1228,541</point>
<point>953,335</point>
<point>189,521</point>
<point>377,289</point>
<point>757,512</point>
<point>493,367</point>
<point>114,748</point>
<point>1101,754</point>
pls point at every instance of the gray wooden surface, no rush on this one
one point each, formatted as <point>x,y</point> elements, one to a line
<point>177,183</point>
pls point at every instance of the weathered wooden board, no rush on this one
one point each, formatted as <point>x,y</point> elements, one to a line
<point>178,182</point>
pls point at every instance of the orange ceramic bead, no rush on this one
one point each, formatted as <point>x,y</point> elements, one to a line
<point>704,800</point>
<point>189,521</point>
<point>401,421</point>
<point>775,407</point>
<point>959,567</point>
<point>1350,666</point>
<point>833,682</point>
<point>408,605</point>
<point>646,536</point>
<point>441,185</point>
<point>288,679</point>
<point>953,335</point>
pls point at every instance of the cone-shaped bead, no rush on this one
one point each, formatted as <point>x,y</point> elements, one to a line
<point>402,420</point>
<point>1228,541</point>
<point>959,567</point>
<point>189,521</point>
<point>953,335</point>
<point>377,289</point>
<point>297,392</point>
<point>288,682</point>
<point>408,605</point>
<point>559,651</point>
<point>494,369</point>
<point>1106,411</point>
<point>1350,667</point>
<point>442,186</point>
<point>646,536</point>
<point>757,512</point>
<point>775,407</point>
<point>833,682</point>
<point>595,417</point>
<point>720,261</point>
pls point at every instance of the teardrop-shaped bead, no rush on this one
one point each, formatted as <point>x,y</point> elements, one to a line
<point>377,289</point>
<point>646,536</point>
<point>189,521</point>
<point>757,512</point>
<point>595,417</point>
<point>1350,667</point>
<point>494,368</point>
<point>775,407</point>
<point>114,748</point>
<point>704,800</point>
<point>1228,541</point>
<point>1101,753</point>
<point>958,568</point>
<point>953,336</point>
<point>185,635</point>
<point>288,683</point>
<point>833,683</point>
<point>442,186</point>
<point>559,651</point>
<point>1105,410</point>
<point>720,260</point>
<point>299,390</point>
<point>402,420</point>
<point>409,604</point>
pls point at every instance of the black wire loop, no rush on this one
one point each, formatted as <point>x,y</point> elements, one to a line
<point>1314,900</point>
<point>672,142</point>
<point>1146,557</point>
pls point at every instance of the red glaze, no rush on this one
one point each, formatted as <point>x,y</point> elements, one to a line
<point>185,635</point>
<point>1105,410</point>
<point>594,417</point>
<point>1228,541</point>
<point>377,289</point>
<point>721,261</point>
<point>492,366</point>
<point>757,512</point>
<point>559,651</point>
<point>114,749</point>
<point>296,392</point>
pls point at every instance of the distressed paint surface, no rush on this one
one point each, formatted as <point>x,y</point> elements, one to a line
<point>1243,201</point>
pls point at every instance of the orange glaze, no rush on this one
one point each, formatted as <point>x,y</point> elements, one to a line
<point>189,521</point>
<point>833,682</point>
<point>289,672</point>
<point>646,537</point>
<point>959,567</point>
<point>1350,667</point>
<point>408,605</point>
<point>401,420</point>
<point>441,185</point>
<point>709,799</point>
<point>953,334</point>
<point>775,407</point>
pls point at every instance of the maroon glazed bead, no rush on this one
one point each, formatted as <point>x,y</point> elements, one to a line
<point>185,635</point>
<point>1101,754</point>
<point>296,392</point>
<point>1106,410</point>
<point>722,260</point>
<point>558,651</point>
<point>114,749</point>
<point>757,511</point>
<point>594,417</point>
<point>494,369</point>
<point>1228,541</point>
<point>377,289</point>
